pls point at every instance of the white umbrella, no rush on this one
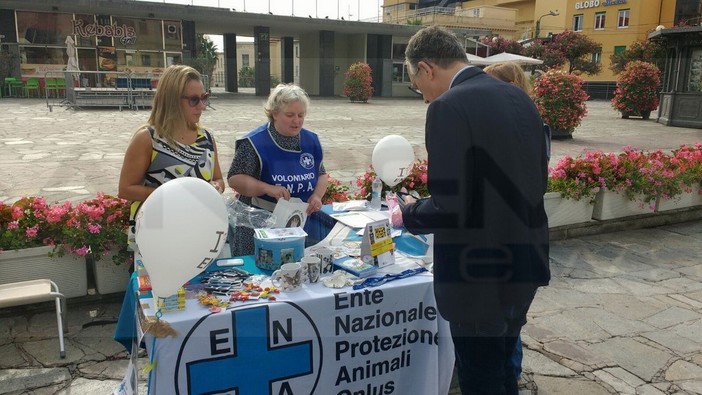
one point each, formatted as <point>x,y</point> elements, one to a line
<point>510,57</point>
<point>72,56</point>
<point>476,60</point>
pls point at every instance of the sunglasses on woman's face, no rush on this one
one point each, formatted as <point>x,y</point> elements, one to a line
<point>195,100</point>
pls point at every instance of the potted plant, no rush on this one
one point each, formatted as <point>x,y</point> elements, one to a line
<point>572,186</point>
<point>687,162</point>
<point>560,99</point>
<point>95,229</point>
<point>646,176</point>
<point>637,89</point>
<point>415,181</point>
<point>579,178</point>
<point>336,192</point>
<point>639,179</point>
<point>29,229</point>
<point>357,86</point>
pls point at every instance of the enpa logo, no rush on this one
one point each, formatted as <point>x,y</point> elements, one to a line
<point>251,351</point>
<point>307,161</point>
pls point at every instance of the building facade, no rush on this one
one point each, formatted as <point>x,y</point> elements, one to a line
<point>614,24</point>
<point>245,52</point>
<point>45,42</point>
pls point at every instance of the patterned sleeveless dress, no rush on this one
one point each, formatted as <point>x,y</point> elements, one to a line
<point>168,163</point>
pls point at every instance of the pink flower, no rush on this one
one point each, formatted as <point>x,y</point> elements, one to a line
<point>32,231</point>
<point>82,251</point>
<point>16,213</point>
<point>13,225</point>
<point>94,228</point>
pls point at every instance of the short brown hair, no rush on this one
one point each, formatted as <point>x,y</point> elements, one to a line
<point>435,44</point>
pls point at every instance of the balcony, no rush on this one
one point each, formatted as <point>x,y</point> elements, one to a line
<point>452,18</point>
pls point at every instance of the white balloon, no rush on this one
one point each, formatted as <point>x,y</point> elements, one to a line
<point>392,159</point>
<point>180,229</point>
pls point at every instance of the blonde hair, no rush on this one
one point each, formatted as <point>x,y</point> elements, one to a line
<point>166,114</point>
<point>509,72</point>
<point>282,95</point>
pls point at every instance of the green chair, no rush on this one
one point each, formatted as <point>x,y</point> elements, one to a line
<point>61,86</point>
<point>13,86</point>
<point>51,85</point>
<point>32,85</point>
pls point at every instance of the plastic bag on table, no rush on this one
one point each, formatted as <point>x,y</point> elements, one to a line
<point>241,214</point>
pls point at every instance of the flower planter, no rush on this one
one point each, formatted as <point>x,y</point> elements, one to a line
<point>610,205</point>
<point>68,272</point>
<point>642,114</point>
<point>561,211</point>
<point>684,200</point>
<point>109,278</point>
<point>562,134</point>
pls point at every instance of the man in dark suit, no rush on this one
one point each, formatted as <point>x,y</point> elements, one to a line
<point>487,178</point>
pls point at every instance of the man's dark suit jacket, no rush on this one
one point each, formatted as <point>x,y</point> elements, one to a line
<point>487,177</point>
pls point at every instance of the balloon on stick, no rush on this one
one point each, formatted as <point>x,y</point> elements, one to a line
<point>180,229</point>
<point>392,159</point>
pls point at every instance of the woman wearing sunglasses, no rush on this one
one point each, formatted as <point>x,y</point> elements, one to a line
<point>278,160</point>
<point>172,143</point>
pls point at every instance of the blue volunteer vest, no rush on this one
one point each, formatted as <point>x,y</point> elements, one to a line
<point>295,170</point>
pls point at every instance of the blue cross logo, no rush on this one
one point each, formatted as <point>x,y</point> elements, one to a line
<point>253,365</point>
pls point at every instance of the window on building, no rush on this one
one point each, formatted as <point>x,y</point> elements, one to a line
<point>400,72</point>
<point>83,38</point>
<point>399,69</point>
<point>398,51</point>
<point>578,23</point>
<point>597,56</point>
<point>43,27</point>
<point>694,79</point>
<point>42,55</point>
<point>245,60</point>
<point>623,18</point>
<point>619,49</point>
<point>599,21</point>
<point>133,58</point>
<point>147,32</point>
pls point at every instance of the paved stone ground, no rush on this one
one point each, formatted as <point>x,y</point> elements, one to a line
<point>71,154</point>
<point>623,313</point>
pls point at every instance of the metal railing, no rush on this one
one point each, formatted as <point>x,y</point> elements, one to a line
<point>99,89</point>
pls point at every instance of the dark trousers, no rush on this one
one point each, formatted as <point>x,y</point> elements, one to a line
<point>485,351</point>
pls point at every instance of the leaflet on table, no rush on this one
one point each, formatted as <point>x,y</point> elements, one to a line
<point>351,205</point>
<point>359,219</point>
<point>278,233</point>
<point>290,213</point>
<point>355,266</point>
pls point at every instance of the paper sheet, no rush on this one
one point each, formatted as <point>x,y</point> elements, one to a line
<point>290,213</point>
<point>359,219</point>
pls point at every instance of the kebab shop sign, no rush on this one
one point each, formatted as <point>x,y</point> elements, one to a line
<point>125,34</point>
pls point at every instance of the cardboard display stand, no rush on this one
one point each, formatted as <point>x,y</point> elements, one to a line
<point>377,247</point>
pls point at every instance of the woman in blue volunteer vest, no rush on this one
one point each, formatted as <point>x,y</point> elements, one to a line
<point>278,160</point>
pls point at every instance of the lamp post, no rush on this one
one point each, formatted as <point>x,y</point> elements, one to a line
<point>538,22</point>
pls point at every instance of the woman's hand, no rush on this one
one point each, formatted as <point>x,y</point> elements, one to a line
<point>314,204</point>
<point>278,192</point>
<point>218,186</point>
